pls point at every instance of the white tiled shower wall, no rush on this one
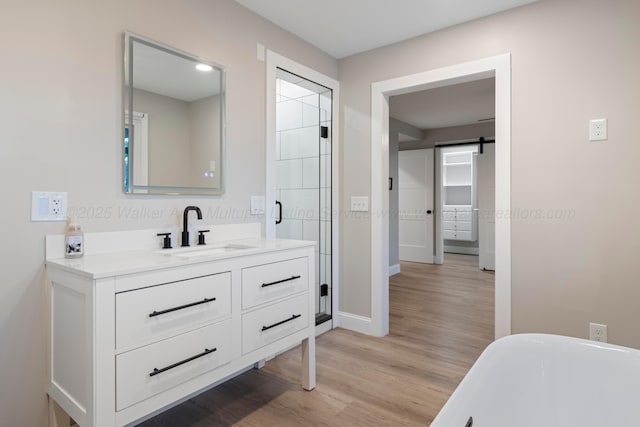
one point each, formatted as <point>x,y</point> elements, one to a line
<point>304,171</point>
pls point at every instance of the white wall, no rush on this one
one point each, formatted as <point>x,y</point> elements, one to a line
<point>61,112</point>
<point>570,270</point>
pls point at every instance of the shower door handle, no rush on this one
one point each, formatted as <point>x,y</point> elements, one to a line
<point>279,220</point>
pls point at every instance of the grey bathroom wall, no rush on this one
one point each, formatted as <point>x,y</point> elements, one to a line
<point>62,112</point>
<point>454,133</point>
<point>204,116</point>
<point>569,267</point>
<point>169,138</point>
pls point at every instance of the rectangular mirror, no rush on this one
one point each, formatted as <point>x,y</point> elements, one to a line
<point>174,121</point>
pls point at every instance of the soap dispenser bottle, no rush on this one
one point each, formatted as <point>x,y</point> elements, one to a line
<point>73,240</point>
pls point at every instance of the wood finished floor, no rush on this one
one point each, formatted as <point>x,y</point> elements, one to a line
<point>441,318</point>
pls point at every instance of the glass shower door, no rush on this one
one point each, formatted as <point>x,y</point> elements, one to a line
<point>303,164</point>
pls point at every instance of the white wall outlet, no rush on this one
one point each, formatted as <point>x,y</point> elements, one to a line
<point>597,332</point>
<point>598,130</point>
<point>257,205</point>
<point>48,206</point>
<point>359,204</point>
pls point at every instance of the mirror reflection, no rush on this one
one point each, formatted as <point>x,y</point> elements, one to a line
<point>174,121</point>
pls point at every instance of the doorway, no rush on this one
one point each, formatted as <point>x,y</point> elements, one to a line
<point>465,197</point>
<point>498,67</point>
<point>301,170</point>
<point>458,179</point>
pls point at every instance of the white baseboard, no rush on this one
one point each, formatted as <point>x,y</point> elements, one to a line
<point>353,322</point>
<point>394,269</point>
<point>324,327</point>
<point>461,250</point>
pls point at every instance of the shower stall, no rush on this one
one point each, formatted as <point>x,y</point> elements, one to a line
<point>303,166</point>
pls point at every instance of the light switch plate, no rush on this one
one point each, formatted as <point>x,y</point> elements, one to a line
<point>48,206</point>
<point>260,52</point>
<point>257,205</point>
<point>359,204</point>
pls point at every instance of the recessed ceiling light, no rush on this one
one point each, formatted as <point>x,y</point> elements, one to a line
<point>204,67</point>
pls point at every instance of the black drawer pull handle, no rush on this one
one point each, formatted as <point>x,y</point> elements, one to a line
<point>157,371</point>
<point>169,310</point>
<point>264,285</point>
<point>279,220</point>
<point>294,317</point>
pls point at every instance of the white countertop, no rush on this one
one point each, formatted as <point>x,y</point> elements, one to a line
<point>127,262</point>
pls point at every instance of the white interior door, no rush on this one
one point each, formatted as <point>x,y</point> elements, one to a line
<point>486,207</point>
<point>415,191</point>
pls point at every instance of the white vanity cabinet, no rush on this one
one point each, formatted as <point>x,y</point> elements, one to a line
<point>133,333</point>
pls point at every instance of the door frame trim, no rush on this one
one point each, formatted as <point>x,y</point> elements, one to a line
<point>498,66</point>
<point>273,61</point>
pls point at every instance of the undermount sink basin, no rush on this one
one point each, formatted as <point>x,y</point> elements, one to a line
<point>207,250</point>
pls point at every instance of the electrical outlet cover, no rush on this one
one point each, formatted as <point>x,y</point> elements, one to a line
<point>48,206</point>
<point>597,332</point>
<point>598,130</point>
<point>257,205</point>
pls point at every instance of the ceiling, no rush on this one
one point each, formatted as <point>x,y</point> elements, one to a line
<point>456,105</point>
<point>347,27</point>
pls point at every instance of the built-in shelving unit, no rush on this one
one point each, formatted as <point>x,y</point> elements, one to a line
<point>458,195</point>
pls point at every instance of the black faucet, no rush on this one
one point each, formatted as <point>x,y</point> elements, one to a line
<point>185,226</point>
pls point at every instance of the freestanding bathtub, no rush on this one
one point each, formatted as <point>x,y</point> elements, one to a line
<point>547,381</point>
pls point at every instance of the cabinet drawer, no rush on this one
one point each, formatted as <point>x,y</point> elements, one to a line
<point>448,216</point>
<point>457,208</point>
<point>449,234</point>
<point>148,314</point>
<point>456,225</point>
<point>464,225</point>
<point>457,216</point>
<point>449,225</point>
<point>464,216</point>
<point>269,324</point>
<point>269,282</point>
<point>150,370</point>
<point>456,235</point>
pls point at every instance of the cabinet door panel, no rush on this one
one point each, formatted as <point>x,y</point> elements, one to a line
<point>179,359</point>
<point>149,314</point>
<point>464,226</point>
<point>269,324</point>
<point>269,282</point>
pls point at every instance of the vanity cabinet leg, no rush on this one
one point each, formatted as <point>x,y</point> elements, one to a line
<point>57,416</point>
<point>259,364</point>
<point>309,363</point>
